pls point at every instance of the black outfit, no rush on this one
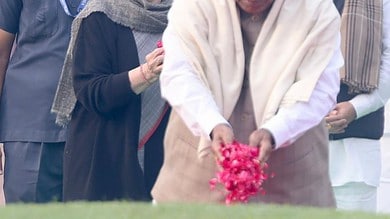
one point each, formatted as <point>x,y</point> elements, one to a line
<point>49,186</point>
<point>100,160</point>
<point>154,153</point>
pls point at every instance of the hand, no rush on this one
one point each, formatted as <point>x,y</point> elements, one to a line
<point>221,134</point>
<point>339,118</point>
<point>143,76</point>
<point>154,64</point>
<point>263,139</point>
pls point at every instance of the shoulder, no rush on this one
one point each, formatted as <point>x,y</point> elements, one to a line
<point>97,19</point>
<point>10,12</point>
<point>99,23</point>
<point>309,5</point>
<point>198,4</point>
<point>199,9</point>
<point>314,10</point>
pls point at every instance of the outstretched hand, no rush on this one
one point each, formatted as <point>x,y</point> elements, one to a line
<point>222,134</point>
<point>262,139</point>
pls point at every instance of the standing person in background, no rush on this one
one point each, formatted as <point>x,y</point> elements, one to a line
<point>112,63</point>
<point>33,143</point>
<point>356,123</point>
<point>263,72</point>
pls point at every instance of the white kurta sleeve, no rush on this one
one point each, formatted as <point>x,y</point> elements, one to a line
<point>185,91</point>
<point>290,123</point>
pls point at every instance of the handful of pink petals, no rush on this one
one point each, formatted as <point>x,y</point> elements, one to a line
<point>240,172</point>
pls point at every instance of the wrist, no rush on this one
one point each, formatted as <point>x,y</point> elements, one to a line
<point>271,137</point>
<point>144,74</point>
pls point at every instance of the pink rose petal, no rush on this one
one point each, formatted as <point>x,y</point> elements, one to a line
<point>241,173</point>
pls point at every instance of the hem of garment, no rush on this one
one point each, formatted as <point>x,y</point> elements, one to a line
<point>34,137</point>
<point>356,181</point>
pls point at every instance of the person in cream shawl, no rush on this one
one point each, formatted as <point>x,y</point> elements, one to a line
<point>263,72</point>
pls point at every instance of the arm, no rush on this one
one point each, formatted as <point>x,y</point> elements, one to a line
<point>290,123</point>
<point>6,41</point>
<point>9,24</point>
<point>197,108</point>
<point>185,91</point>
<point>146,74</point>
<point>189,97</point>
<point>96,87</point>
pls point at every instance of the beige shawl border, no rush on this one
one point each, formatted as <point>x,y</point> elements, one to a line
<point>361,44</point>
<point>285,61</point>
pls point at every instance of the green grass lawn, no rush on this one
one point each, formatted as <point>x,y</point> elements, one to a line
<point>119,210</point>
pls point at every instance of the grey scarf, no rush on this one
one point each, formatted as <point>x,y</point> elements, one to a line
<point>139,15</point>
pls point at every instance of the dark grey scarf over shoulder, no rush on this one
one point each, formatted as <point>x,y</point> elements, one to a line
<point>139,15</point>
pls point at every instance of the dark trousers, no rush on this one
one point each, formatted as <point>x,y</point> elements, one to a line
<point>154,154</point>
<point>33,171</point>
<point>49,184</point>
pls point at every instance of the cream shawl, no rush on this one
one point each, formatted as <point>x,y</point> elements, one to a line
<point>295,45</point>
